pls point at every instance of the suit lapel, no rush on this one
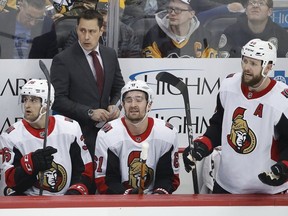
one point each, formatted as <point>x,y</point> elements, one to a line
<point>84,67</point>
<point>106,62</point>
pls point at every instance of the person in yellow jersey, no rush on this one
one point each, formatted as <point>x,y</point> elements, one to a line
<point>75,7</point>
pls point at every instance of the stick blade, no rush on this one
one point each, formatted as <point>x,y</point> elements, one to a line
<point>172,80</point>
<point>44,70</point>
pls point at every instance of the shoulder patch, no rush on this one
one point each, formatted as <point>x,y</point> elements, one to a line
<point>107,127</point>
<point>285,93</point>
<point>230,75</point>
<point>167,124</point>
<point>8,130</point>
<point>68,119</point>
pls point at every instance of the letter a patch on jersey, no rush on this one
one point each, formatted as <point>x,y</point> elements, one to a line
<point>259,111</point>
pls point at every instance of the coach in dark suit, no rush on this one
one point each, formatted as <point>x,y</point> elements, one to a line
<point>26,33</point>
<point>73,77</point>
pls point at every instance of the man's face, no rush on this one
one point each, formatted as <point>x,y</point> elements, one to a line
<point>89,33</point>
<point>135,106</point>
<point>30,16</point>
<point>31,107</point>
<point>251,71</point>
<point>179,13</point>
<point>258,11</point>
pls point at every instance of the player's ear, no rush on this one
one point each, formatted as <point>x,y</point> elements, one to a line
<point>267,69</point>
<point>270,11</point>
<point>149,107</point>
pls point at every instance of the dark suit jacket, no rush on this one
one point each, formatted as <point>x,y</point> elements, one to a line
<point>76,89</point>
<point>44,44</point>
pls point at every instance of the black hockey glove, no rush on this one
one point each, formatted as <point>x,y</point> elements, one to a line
<point>42,159</point>
<point>131,191</point>
<point>278,176</point>
<point>202,148</point>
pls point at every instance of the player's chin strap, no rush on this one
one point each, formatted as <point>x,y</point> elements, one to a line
<point>263,75</point>
<point>39,116</point>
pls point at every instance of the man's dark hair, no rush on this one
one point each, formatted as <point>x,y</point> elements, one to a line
<point>90,15</point>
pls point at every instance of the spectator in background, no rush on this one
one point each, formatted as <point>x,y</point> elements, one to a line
<point>65,162</point>
<point>27,33</point>
<point>255,23</point>
<point>119,144</point>
<point>77,95</point>
<point>178,34</point>
<point>128,45</point>
<point>204,9</point>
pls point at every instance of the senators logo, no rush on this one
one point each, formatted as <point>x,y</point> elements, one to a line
<point>134,165</point>
<point>55,178</point>
<point>242,139</point>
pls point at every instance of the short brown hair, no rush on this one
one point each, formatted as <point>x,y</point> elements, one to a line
<point>89,15</point>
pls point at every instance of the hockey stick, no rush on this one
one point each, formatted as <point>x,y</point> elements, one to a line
<point>143,158</point>
<point>182,87</point>
<point>47,75</point>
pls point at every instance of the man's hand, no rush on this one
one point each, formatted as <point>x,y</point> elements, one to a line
<point>100,115</point>
<point>202,148</point>
<point>277,176</point>
<point>114,112</point>
<point>42,159</point>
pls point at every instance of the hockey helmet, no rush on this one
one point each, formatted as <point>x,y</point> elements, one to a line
<point>38,88</point>
<point>138,85</point>
<point>260,50</point>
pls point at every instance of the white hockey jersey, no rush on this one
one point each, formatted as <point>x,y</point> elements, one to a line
<point>72,156</point>
<point>254,135</point>
<point>117,157</point>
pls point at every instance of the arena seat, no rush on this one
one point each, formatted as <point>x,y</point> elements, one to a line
<point>63,27</point>
<point>217,25</point>
<point>142,26</point>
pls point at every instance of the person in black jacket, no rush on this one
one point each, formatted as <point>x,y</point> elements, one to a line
<point>256,23</point>
<point>128,43</point>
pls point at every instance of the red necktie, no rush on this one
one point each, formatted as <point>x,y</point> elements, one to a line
<point>99,71</point>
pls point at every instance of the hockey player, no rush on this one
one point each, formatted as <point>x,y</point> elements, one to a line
<point>119,144</point>
<point>250,123</point>
<point>65,163</point>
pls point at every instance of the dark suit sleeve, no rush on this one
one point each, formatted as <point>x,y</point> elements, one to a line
<point>63,104</point>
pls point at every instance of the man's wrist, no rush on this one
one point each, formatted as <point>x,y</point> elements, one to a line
<point>90,113</point>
